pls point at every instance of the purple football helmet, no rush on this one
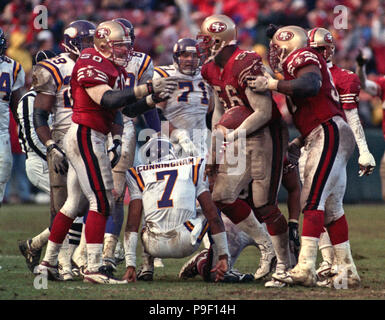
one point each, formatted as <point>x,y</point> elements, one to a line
<point>78,36</point>
<point>129,26</point>
<point>185,56</point>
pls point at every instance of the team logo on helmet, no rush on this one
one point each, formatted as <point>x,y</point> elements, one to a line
<point>328,38</point>
<point>71,32</point>
<point>285,35</point>
<point>102,33</point>
<point>217,27</point>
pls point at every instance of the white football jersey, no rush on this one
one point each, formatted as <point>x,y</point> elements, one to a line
<point>12,77</point>
<point>188,105</point>
<point>29,141</point>
<point>168,191</point>
<point>53,78</point>
<point>140,69</point>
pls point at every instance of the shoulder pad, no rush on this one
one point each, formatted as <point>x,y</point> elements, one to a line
<point>43,80</point>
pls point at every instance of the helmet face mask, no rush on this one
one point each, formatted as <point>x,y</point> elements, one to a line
<point>285,41</point>
<point>217,32</point>
<point>113,41</point>
<point>78,36</point>
<point>186,57</point>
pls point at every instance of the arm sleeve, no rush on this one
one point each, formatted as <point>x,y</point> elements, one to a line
<point>133,184</point>
<point>43,81</point>
<point>355,124</point>
<point>202,185</point>
<point>19,75</point>
<point>349,93</point>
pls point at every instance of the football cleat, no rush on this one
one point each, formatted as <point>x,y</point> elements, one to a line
<point>234,276</point>
<point>297,275</point>
<point>324,271</point>
<point>102,276</point>
<point>32,256</point>
<point>345,278</point>
<point>145,275</point>
<point>273,283</point>
<point>45,268</point>
<point>189,269</point>
<point>267,264</point>
<point>158,263</point>
<point>65,275</point>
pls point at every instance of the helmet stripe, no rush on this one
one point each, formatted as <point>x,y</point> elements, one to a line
<point>312,34</point>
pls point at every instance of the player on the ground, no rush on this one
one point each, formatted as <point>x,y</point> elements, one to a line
<point>166,188</point>
<point>348,87</point>
<point>51,82</point>
<point>237,107</point>
<point>187,108</point>
<point>98,87</point>
<point>11,89</point>
<point>329,143</point>
<point>374,88</point>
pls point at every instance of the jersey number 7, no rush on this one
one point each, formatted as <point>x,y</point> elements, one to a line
<point>166,201</point>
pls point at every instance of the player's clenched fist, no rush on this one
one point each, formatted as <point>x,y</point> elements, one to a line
<point>57,157</point>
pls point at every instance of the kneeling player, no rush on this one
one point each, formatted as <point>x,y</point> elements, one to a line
<point>167,189</point>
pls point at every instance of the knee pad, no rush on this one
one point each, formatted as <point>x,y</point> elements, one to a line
<point>268,214</point>
<point>236,211</point>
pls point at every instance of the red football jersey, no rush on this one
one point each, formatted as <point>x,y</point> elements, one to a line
<point>348,87</point>
<point>381,94</point>
<point>92,69</point>
<point>230,83</point>
<point>312,111</point>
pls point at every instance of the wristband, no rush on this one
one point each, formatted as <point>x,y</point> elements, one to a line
<point>117,137</point>
<point>273,84</point>
<point>49,142</point>
<point>220,240</point>
<point>141,91</point>
<point>130,242</point>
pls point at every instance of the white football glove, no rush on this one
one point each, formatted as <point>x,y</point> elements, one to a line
<point>262,83</point>
<point>367,164</point>
<point>165,86</point>
<point>181,137</point>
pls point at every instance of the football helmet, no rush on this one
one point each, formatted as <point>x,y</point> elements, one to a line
<point>285,41</point>
<point>78,36</point>
<point>156,150</point>
<point>112,39</point>
<point>128,25</point>
<point>322,40</point>
<point>3,44</point>
<point>185,56</point>
<point>217,31</point>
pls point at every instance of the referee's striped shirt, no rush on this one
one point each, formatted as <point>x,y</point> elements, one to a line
<point>29,141</point>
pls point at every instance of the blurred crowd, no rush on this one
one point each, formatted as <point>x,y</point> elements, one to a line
<point>158,25</point>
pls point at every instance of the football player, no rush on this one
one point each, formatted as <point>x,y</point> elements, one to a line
<point>226,69</point>
<point>187,108</point>
<point>166,188</point>
<point>98,86</point>
<point>51,82</point>
<point>140,69</point>
<point>374,88</point>
<point>329,143</point>
<point>38,174</point>
<point>11,89</point>
<point>348,87</point>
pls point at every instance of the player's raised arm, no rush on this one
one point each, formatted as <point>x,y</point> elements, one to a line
<point>367,85</point>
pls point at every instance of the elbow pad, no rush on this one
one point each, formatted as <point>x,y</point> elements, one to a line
<point>115,99</point>
<point>40,118</point>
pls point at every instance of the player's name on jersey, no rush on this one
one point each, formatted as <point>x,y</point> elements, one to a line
<point>176,163</point>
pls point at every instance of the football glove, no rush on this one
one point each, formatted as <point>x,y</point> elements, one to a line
<point>293,154</point>
<point>262,83</point>
<point>367,164</point>
<point>294,242</point>
<point>57,157</point>
<point>162,85</point>
<point>181,137</point>
<point>115,150</point>
<point>360,59</point>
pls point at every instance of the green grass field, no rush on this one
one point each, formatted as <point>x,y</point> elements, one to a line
<point>367,225</point>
